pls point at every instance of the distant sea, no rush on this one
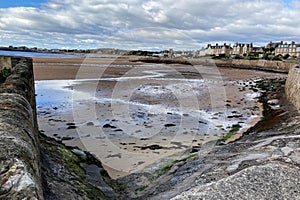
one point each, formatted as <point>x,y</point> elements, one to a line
<point>38,54</point>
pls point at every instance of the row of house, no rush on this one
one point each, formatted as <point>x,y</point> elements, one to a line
<point>277,48</point>
<point>236,49</point>
<point>291,49</point>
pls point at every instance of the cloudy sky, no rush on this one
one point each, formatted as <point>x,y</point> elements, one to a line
<point>149,25</point>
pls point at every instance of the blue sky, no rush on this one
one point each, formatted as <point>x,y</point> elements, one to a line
<point>17,3</point>
<point>146,24</point>
<point>287,2</point>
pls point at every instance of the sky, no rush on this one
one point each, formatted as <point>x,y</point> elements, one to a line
<point>146,25</point>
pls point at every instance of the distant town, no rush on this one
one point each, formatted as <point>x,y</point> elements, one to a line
<point>271,51</point>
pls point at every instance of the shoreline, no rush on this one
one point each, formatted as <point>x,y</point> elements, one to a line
<point>55,123</point>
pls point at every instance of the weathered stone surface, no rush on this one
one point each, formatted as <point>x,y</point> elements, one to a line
<point>271,181</point>
<point>68,176</point>
<point>19,152</point>
<point>293,87</point>
<point>5,62</point>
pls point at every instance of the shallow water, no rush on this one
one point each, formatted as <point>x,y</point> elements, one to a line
<point>38,54</point>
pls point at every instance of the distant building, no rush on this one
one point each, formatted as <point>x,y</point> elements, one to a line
<point>271,46</point>
<point>241,49</point>
<point>298,51</point>
<point>218,49</point>
<point>285,48</point>
<point>171,53</point>
<point>259,51</point>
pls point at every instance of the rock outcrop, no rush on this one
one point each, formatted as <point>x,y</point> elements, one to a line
<point>293,87</point>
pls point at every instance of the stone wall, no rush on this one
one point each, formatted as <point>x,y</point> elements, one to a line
<point>19,152</point>
<point>266,65</point>
<point>293,87</point>
<point>33,166</point>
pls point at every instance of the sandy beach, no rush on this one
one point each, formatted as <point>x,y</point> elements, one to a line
<point>131,114</point>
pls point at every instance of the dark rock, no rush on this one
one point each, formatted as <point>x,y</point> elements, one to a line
<point>108,126</point>
<point>90,124</point>
<point>72,127</point>
<point>234,116</point>
<point>151,147</point>
<point>169,125</point>
<point>67,138</point>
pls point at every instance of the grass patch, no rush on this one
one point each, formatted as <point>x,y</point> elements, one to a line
<point>234,129</point>
<point>142,188</point>
<point>121,185</point>
<point>184,159</point>
<point>164,169</point>
<point>4,73</point>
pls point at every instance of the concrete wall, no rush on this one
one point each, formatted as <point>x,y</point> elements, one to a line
<point>19,152</point>
<point>293,87</point>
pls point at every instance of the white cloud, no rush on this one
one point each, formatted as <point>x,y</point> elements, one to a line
<point>145,24</point>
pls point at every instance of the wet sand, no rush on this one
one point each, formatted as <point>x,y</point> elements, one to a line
<point>132,114</point>
<point>67,68</point>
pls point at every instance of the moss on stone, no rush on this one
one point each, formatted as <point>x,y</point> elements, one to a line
<point>70,173</point>
<point>234,129</point>
<point>167,167</point>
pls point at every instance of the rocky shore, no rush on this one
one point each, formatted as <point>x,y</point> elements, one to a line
<point>262,163</point>
<point>145,112</point>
